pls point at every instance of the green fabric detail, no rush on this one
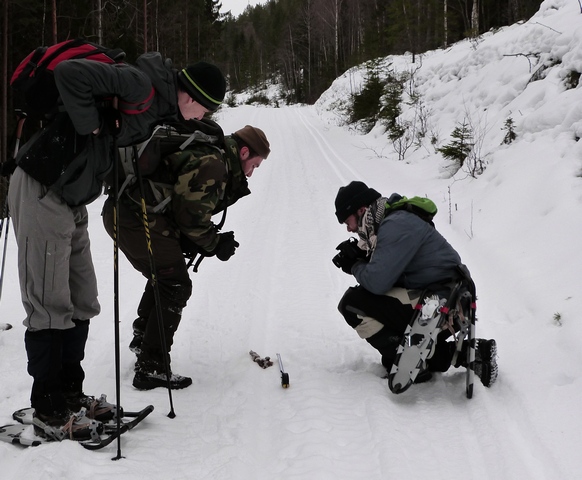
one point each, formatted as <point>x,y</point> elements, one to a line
<point>421,206</point>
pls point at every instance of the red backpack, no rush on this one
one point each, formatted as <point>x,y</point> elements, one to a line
<point>34,81</point>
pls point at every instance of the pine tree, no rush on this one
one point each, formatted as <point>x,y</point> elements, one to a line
<point>460,146</point>
<point>509,127</point>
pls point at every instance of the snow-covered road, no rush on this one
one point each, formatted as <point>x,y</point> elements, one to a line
<point>279,294</point>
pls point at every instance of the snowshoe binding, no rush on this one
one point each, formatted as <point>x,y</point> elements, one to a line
<point>77,427</point>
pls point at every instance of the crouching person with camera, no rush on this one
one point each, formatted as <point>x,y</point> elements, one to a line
<point>398,254</point>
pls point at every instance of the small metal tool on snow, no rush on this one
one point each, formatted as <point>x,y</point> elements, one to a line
<point>262,362</point>
<point>284,376</point>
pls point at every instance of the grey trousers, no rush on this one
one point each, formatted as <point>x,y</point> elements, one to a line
<point>57,277</point>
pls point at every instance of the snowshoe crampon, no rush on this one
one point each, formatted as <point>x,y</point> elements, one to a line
<point>23,433</point>
<point>417,344</point>
<point>432,315</point>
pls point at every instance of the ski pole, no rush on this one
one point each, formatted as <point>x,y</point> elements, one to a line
<point>284,376</point>
<point>21,118</point>
<point>7,219</point>
<point>153,278</point>
<point>116,294</point>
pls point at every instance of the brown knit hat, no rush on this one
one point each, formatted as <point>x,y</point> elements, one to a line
<point>255,138</point>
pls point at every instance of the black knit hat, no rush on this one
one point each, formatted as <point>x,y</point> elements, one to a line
<point>205,83</point>
<point>351,197</point>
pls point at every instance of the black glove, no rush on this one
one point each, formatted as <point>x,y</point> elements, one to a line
<point>349,254</point>
<point>189,248</point>
<point>7,168</point>
<point>110,122</point>
<point>345,263</point>
<point>226,246</point>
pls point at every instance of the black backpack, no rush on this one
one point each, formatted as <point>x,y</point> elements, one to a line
<point>75,166</point>
<point>33,80</point>
<point>164,141</point>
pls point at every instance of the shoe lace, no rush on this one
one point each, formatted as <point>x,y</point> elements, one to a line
<point>100,406</point>
<point>79,421</point>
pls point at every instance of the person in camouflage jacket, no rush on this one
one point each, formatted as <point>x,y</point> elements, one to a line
<point>201,182</point>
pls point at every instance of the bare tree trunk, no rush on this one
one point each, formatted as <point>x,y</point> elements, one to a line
<point>187,35</point>
<point>157,15</point>
<point>475,18</point>
<point>54,21</point>
<point>336,31</point>
<point>446,22</point>
<point>309,49</point>
<point>292,68</point>
<point>198,36</point>
<point>4,113</point>
<point>99,22</point>
<point>409,35</point>
<point>145,25</point>
<point>514,11</point>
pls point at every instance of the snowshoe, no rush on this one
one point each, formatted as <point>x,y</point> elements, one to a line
<point>77,427</point>
<point>416,345</point>
<point>434,314</point>
<point>33,430</point>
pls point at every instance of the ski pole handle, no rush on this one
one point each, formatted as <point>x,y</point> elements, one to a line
<point>284,376</point>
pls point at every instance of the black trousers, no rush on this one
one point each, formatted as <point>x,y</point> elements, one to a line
<point>391,315</point>
<point>389,318</point>
<point>54,362</point>
<point>174,283</point>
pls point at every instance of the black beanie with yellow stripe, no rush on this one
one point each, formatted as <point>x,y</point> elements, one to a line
<point>205,83</point>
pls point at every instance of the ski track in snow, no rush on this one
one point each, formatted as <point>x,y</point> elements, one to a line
<point>279,293</point>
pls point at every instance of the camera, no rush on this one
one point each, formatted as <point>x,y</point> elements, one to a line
<point>348,250</point>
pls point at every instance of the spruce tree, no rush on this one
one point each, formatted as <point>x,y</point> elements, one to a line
<point>460,146</point>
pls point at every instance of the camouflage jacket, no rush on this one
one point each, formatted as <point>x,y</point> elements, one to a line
<point>206,180</point>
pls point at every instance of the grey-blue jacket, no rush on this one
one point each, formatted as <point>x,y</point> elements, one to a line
<point>409,253</point>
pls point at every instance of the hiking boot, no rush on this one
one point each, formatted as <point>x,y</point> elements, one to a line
<point>486,361</point>
<point>150,372</point>
<point>139,325</point>
<point>422,377</point>
<point>97,408</point>
<point>62,425</point>
<point>150,380</point>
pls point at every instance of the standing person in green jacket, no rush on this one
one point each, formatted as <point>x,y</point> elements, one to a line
<point>204,180</point>
<point>57,276</point>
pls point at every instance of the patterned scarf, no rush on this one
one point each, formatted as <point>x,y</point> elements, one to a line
<point>368,226</point>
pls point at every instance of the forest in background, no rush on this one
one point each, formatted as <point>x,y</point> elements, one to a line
<point>301,44</point>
